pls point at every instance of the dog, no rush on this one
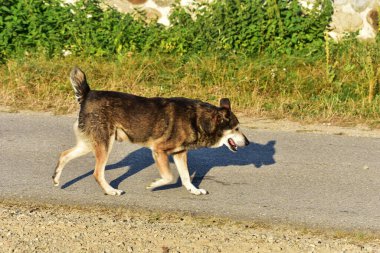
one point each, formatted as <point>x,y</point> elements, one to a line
<point>167,126</point>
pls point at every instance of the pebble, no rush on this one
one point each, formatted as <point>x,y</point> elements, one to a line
<point>270,239</point>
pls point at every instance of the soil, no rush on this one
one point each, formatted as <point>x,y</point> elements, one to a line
<point>31,227</point>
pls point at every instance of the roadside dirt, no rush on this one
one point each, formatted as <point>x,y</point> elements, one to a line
<point>31,227</point>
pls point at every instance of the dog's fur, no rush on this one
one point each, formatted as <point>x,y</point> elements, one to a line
<point>168,126</point>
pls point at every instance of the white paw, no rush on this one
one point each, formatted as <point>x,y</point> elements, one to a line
<point>114,192</point>
<point>153,184</point>
<point>55,182</point>
<point>196,191</point>
<point>157,183</point>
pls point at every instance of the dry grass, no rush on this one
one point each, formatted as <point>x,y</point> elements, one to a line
<point>289,88</point>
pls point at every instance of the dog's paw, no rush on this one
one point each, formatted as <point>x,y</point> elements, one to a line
<point>196,191</point>
<point>153,184</point>
<point>115,192</point>
<point>55,181</point>
<point>157,183</point>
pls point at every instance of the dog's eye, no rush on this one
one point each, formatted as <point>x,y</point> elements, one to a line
<point>237,129</point>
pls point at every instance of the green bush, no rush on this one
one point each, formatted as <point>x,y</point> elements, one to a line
<point>51,27</point>
<point>246,27</point>
<point>252,27</point>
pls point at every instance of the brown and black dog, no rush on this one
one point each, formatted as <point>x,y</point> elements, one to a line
<point>168,126</point>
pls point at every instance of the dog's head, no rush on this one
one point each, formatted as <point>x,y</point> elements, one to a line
<point>225,127</point>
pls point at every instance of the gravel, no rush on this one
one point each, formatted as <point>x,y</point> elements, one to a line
<point>31,227</point>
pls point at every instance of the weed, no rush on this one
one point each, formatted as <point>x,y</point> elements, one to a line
<point>290,87</point>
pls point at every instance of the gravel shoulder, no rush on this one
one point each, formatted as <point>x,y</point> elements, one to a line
<point>32,227</point>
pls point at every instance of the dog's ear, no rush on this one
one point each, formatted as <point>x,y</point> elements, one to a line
<point>225,103</point>
<point>223,115</point>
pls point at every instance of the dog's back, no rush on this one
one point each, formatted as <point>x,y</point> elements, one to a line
<point>167,123</point>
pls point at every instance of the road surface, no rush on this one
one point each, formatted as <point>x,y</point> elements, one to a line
<point>317,180</point>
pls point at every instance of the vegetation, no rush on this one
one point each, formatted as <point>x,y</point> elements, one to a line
<point>272,60</point>
<point>238,26</point>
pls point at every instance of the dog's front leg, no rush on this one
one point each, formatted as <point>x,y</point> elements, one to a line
<point>180,160</point>
<point>162,162</point>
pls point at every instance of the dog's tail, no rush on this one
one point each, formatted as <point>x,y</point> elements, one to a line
<point>79,83</point>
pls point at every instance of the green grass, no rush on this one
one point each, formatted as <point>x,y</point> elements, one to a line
<point>301,89</point>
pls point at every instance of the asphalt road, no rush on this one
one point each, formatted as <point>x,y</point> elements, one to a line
<point>330,181</point>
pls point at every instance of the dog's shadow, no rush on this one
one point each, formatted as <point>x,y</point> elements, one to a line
<point>200,162</point>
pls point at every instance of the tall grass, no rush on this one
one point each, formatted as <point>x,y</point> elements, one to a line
<point>297,88</point>
<point>271,60</point>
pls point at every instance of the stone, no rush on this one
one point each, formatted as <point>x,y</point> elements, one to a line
<point>355,15</point>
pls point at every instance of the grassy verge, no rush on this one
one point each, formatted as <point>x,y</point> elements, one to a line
<point>333,89</point>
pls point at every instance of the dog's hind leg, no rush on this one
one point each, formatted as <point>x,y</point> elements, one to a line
<point>180,160</point>
<point>162,163</point>
<point>82,147</point>
<point>79,150</point>
<point>101,156</point>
